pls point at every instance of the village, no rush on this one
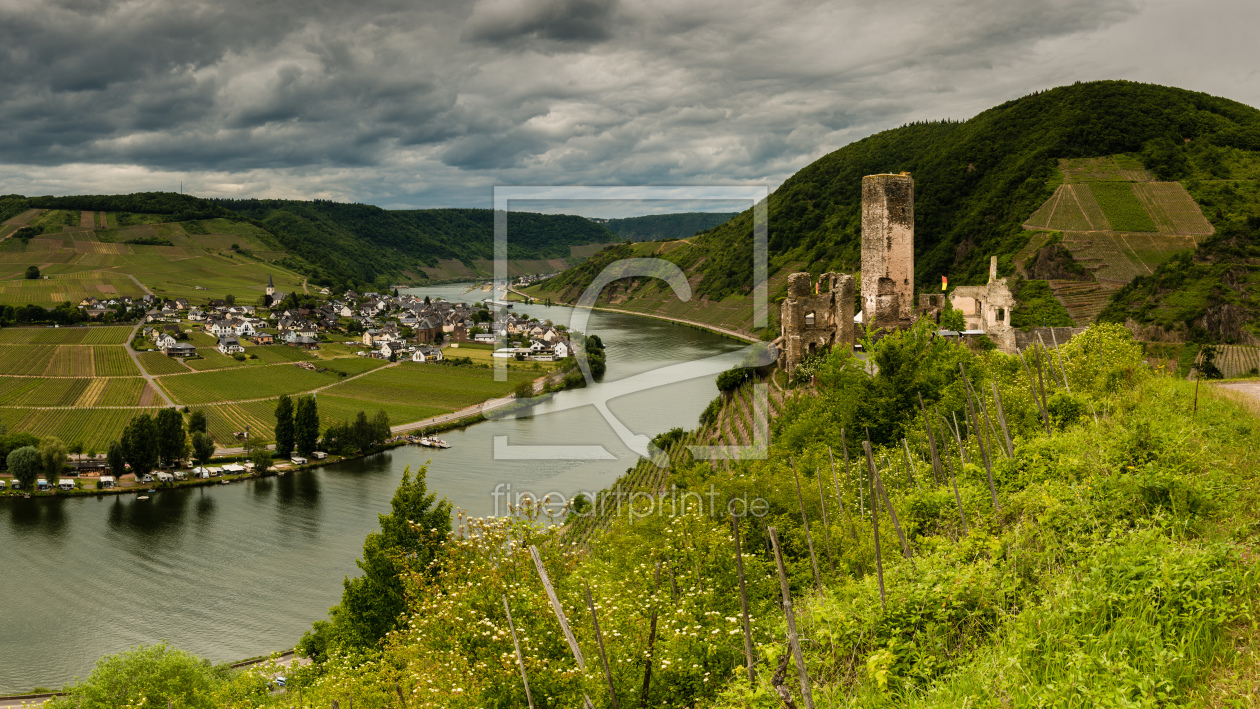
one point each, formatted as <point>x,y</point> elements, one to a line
<point>384,326</point>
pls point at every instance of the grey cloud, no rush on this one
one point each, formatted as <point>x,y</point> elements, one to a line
<point>582,21</point>
<point>399,102</point>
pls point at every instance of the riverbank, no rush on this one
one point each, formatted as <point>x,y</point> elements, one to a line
<point>696,324</point>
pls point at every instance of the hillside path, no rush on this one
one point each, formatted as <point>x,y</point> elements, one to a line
<point>135,357</point>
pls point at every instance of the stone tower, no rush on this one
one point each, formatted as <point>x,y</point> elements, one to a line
<point>887,248</point>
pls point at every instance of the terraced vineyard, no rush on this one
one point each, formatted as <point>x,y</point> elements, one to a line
<point>1118,223</point>
<point>1084,300</point>
<point>1237,360</point>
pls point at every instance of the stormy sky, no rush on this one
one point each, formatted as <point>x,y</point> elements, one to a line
<point>431,103</point>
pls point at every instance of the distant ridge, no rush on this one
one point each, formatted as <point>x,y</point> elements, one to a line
<point>657,227</point>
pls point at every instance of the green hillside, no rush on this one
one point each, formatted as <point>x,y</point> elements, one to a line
<point>329,243</point>
<point>976,182</point>
<point>655,227</point>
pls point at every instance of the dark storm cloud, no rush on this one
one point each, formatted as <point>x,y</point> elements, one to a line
<point>398,102</point>
<point>500,21</point>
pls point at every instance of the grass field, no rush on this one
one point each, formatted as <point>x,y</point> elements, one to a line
<point>275,354</point>
<point>64,335</point>
<point>158,363</point>
<point>242,383</point>
<point>353,365</point>
<point>224,420</point>
<point>1124,211</point>
<point>443,387</point>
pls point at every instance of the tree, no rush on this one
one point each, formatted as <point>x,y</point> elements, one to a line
<point>197,422</point>
<point>371,604</point>
<point>76,449</point>
<point>116,459</point>
<point>140,445</point>
<point>262,461</point>
<point>305,425</point>
<point>203,448</point>
<point>52,458</point>
<point>229,299</point>
<point>32,272</point>
<point>380,427</point>
<point>284,427</point>
<point>149,675</point>
<point>170,434</point>
<point>952,319</point>
<point>361,432</point>
<point>25,465</point>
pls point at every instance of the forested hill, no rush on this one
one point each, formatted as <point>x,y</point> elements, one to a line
<point>655,227</point>
<point>976,182</point>
<point>367,241</point>
<point>345,244</point>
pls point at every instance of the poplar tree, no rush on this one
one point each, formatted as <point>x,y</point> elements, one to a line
<point>305,425</point>
<point>140,445</point>
<point>284,427</point>
<point>170,432</point>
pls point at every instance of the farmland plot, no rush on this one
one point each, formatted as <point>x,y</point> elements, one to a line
<point>60,391</point>
<point>212,359</point>
<point>1173,209</point>
<point>113,361</point>
<point>30,359</point>
<point>15,389</point>
<point>337,409</point>
<point>276,354</point>
<point>242,383</point>
<point>428,385</point>
<point>94,428</point>
<point>1124,211</point>
<point>225,420</point>
<point>71,361</point>
<point>122,391</point>
<point>158,363</point>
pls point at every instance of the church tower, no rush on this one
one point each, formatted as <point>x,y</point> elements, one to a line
<point>271,287</point>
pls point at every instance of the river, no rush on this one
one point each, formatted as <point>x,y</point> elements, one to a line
<point>233,571</point>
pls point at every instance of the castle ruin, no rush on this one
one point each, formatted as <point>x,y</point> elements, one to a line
<point>987,308</point>
<point>823,318</point>
<point>815,318</point>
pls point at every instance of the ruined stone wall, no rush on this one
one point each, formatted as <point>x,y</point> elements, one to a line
<point>887,241</point>
<point>831,324</point>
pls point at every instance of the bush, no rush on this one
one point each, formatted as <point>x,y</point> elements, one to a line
<point>32,272</point>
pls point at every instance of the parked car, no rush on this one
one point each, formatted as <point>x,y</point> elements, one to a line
<point>147,478</point>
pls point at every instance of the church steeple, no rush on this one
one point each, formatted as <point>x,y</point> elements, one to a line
<point>271,287</point>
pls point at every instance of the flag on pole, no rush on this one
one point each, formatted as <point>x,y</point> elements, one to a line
<point>944,282</point>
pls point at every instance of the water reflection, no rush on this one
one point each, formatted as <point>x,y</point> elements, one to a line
<point>43,517</point>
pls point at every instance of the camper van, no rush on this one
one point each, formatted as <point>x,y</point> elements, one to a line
<point>108,482</point>
<point>181,475</point>
<point>2,484</point>
<point>42,485</point>
<point>65,484</point>
<point>165,478</point>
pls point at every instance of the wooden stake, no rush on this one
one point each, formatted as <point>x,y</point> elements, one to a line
<point>962,452</point>
<point>599,638</point>
<point>844,513</point>
<point>845,446</point>
<point>877,481</point>
<point>1001,412</point>
<point>520,659</point>
<point>647,673</point>
<point>822,500</point>
<point>559,611</point>
<point>809,539</point>
<point>743,607</point>
<point>937,473</point>
<point>909,467</point>
<point>794,640</point>
<point>984,454</point>
<point>879,559</point>
<point>1041,387</point>
<point>1058,353</point>
<point>954,483</point>
<point>1032,387</point>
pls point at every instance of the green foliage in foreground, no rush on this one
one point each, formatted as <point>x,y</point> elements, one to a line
<point>1114,568</point>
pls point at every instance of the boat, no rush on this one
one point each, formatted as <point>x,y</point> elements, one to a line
<point>431,442</point>
<point>143,497</point>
